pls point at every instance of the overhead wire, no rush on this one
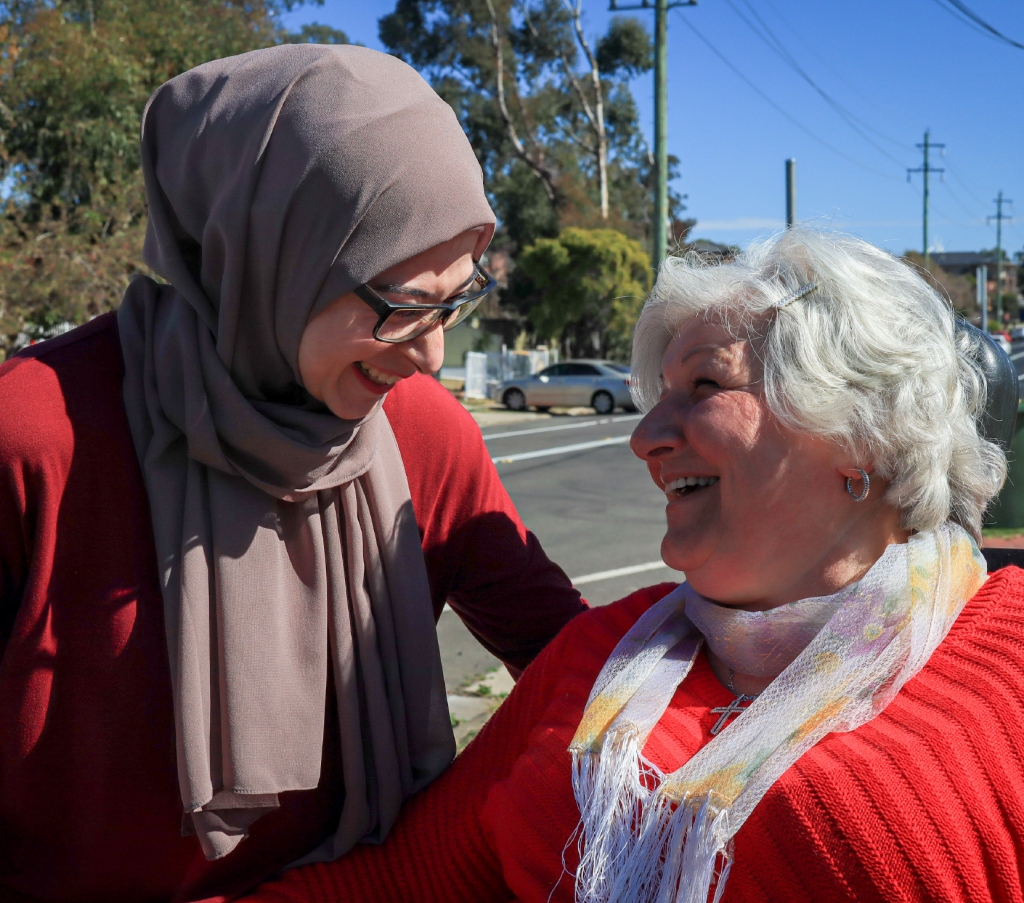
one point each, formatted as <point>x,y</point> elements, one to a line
<point>971,213</point>
<point>983,219</point>
<point>839,75</point>
<point>956,175</point>
<point>776,107</point>
<point>976,22</point>
<point>942,213</point>
<point>779,49</point>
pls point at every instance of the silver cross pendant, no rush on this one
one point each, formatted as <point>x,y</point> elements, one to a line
<point>727,711</point>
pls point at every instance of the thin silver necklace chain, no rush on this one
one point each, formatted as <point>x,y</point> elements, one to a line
<point>743,697</point>
<point>734,708</point>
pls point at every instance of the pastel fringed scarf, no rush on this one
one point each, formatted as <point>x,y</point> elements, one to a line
<point>648,836</point>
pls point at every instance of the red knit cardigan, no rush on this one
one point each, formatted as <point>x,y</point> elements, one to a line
<point>89,802</point>
<point>924,803</point>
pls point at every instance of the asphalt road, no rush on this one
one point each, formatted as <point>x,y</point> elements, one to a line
<point>591,503</point>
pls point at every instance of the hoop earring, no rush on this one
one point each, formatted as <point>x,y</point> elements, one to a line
<point>864,492</point>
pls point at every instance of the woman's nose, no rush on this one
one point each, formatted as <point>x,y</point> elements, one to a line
<point>658,434</point>
<point>427,351</point>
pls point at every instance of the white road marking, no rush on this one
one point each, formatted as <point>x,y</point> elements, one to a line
<point>618,572</point>
<point>564,426</point>
<point>560,450</point>
<point>608,575</point>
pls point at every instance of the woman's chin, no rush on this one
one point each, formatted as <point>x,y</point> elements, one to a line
<point>682,552</point>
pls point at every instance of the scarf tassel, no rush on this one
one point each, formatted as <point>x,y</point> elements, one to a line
<point>639,845</point>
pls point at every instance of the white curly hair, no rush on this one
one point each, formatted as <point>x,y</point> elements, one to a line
<point>869,360</point>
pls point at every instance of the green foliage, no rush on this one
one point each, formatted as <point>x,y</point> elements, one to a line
<point>63,268</point>
<point>530,128</point>
<point>316,33</point>
<point>625,48</point>
<point>584,289</point>
<point>958,290</point>
<point>75,77</point>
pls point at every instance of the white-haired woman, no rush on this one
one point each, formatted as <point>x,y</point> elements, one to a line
<point>829,708</point>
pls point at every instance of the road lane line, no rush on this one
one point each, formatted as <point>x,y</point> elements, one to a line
<point>618,572</point>
<point>564,426</point>
<point>608,575</point>
<point>560,450</point>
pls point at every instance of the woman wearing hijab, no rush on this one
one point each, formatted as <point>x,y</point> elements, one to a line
<point>829,709</point>
<point>230,514</point>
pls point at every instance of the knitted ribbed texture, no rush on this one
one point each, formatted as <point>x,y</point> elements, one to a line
<point>925,803</point>
<point>89,802</point>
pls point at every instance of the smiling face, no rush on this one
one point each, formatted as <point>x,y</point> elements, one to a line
<point>758,514</point>
<point>345,367</point>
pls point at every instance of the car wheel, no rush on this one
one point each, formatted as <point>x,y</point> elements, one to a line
<point>602,402</point>
<point>514,400</point>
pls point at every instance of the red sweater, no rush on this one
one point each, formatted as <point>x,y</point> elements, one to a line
<point>89,805</point>
<point>924,803</point>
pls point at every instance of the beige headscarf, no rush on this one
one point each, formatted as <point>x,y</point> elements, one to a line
<point>278,181</point>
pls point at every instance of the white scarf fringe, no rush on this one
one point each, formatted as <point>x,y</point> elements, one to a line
<point>639,845</point>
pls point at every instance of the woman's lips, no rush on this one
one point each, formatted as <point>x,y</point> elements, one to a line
<point>686,486</point>
<point>369,384</point>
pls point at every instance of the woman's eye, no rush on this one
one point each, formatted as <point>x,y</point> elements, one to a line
<point>408,316</point>
<point>705,381</point>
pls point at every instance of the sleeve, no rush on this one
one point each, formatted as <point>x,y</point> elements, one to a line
<point>480,558</point>
<point>439,850</point>
<point>14,554</point>
<point>16,507</point>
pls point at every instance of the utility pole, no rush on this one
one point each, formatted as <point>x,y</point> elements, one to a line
<point>999,217</point>
<point>981,293</point>
<point>790,192</point>
<point>661,8</point>
<point>926,169</point>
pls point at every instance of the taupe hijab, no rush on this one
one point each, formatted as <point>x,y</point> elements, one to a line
<point>278,181</point>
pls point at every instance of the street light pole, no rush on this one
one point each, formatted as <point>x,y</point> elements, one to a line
<point>659,245</point>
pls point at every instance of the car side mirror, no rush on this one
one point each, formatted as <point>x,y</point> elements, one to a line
<point>1003,396</point>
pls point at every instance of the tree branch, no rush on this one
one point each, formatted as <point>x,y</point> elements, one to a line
<point>597,119</point>
<point>541,171</point>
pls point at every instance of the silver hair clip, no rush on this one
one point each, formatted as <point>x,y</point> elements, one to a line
<point>801,292</point>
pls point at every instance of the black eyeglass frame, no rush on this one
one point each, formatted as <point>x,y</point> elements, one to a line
<point>449,312</point>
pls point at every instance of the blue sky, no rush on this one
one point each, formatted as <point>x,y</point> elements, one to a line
<point>897,66</point>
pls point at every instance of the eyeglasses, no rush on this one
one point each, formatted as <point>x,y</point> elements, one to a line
<point>405,322</point>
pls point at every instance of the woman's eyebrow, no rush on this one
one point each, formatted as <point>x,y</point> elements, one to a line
<point>418,292</point>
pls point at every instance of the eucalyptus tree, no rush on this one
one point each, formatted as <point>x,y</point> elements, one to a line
<point>74,78</point>
<point>547,107</point>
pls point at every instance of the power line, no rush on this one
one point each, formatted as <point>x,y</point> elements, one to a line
<point>779,48</point>
<point>839,75</point>
<point>941,214</point>
<point>978,23</point>
<point>779,109</point>
<point>961,204</point>
<point>953,172</point>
